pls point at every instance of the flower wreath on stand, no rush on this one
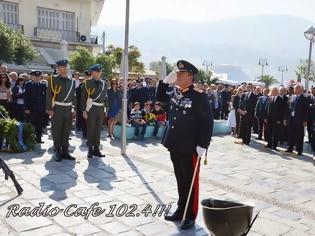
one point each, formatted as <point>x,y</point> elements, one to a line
<point>20,136</point>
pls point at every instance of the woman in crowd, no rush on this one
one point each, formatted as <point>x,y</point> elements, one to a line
<point>5,91</point>
<point>114,105</point>
<point>231,121</point>
<point>5,98</point>
<point>18,99</point>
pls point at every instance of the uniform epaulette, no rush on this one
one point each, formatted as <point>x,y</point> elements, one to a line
<point>198,90</point>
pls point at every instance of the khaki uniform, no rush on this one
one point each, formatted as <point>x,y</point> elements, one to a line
<point>61,93</point>
<point>97,91</point>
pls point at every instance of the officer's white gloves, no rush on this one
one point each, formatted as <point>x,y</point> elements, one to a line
<point>201,151</point>
<point>170,78</point>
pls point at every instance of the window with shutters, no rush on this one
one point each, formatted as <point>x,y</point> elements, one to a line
<point>55,20</point>
<point>10,12</point>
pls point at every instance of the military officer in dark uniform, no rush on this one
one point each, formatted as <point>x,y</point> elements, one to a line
<point>93,99</point>
<point>60,106</point>
<point>187,136</point>
<point>34,101</point>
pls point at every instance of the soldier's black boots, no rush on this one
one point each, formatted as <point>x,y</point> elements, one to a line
<point>91,152</point>
<point>187,224</point>
<point>66,155</point>
<point>58,156</point>
<point>173,217</point>
<point>97,152</point>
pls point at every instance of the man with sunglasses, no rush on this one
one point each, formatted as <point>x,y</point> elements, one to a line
<point>34,102</point>
<point>60,106</point>
<point>93,99</point>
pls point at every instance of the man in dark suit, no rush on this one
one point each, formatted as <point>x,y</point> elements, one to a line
<point>311,101</point>
<point>226,97</point>
<point>247,111</point>
<point>283,136</point>
<point>274,117</point>
<point>296,119</point>
<point>260,113</point>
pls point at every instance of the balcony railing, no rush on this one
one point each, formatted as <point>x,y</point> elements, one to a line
<point>17,27</point>
<point>69,36</point>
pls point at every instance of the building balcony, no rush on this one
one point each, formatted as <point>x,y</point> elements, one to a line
<point>53,34</point>
<point>17,27</point>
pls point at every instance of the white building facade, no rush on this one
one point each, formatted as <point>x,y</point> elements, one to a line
<point>48,22</point>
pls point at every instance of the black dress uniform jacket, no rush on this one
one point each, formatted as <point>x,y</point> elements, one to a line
<point>190,121</point>
<point>35,96</point>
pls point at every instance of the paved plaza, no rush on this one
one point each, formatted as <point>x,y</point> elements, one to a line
<point>281,186</point>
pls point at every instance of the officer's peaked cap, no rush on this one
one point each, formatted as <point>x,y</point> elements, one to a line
<point>96,67</point>
<point>63,62</point>
<point>185,66</point>
<point>36,72</point>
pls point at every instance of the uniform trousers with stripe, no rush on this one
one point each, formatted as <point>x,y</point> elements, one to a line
<point>184,165</point>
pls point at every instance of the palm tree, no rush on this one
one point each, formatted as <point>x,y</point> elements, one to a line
<point>268,80</point>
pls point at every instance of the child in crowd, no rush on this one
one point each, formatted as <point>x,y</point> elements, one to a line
<point>137,121</point>
<point>148,115</point>
<point>160,116</point>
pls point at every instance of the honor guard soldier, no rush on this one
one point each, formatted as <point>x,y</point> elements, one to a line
<point>187,135</point>
<point>35,103</point>
<point>93,99</point>
<point>60,103</point>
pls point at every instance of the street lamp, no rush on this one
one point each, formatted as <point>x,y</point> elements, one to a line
<point>207,64</point>
<point>282,69</point>
<point>262,62</point>
<point>310,35</point>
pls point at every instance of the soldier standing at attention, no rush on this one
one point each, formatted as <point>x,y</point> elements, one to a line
<point>93,99</point>
<point>187,135</point>
<point>34,101</point>
<point>60,106</point>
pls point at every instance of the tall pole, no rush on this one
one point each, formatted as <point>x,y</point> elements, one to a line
<point>309,66</point>
<point>103,37</point>
<point>262,70</point>
<point>282,77</point>
<point>126,69</point>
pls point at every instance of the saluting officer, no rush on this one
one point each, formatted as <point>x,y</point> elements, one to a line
<point>187,136</point>
<point>93,99</point>
<point>34,101</point>
<point>60,103</point>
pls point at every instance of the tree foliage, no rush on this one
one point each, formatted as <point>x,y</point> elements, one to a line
<point>268,80</point>
<point>14,46</point>
<point>205,77</point>
<point>135,65</point>
<point>81,59</point>
<point>108,64</point>
<point>302,70</point>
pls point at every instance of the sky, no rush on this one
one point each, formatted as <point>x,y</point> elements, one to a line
<point>113,13</point>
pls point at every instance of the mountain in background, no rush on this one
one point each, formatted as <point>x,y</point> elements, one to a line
<point>240,41</point>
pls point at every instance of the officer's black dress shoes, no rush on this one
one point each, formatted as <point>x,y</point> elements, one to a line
<point>289,151</point>
<point>67,156</point>
<point>173,217</point>
<point>299,154</point>
<point>97,152</point>
<point>58,156</point>
<point>188,224</point>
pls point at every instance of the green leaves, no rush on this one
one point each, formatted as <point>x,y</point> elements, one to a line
<point>81,59</point>
<point>14,46</point>
<point>268,80</point>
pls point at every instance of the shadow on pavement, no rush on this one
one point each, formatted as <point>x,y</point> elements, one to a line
<point>61,177</point>
<point>101,173</point>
